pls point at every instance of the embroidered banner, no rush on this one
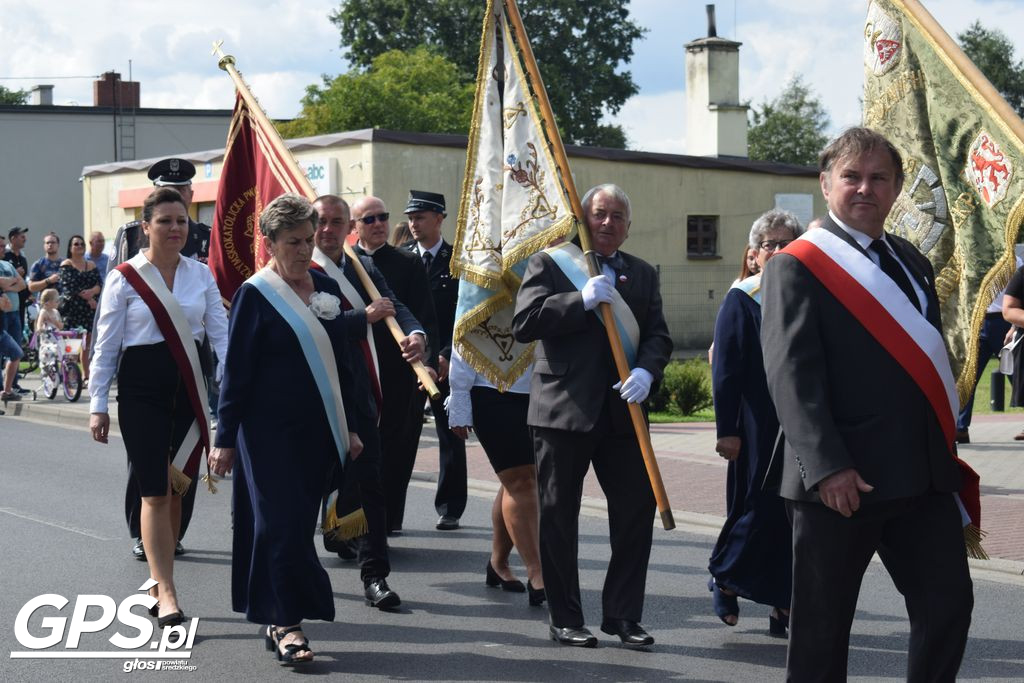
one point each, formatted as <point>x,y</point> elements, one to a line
<point>962,203</point>
<point>252,176</point>
<point>512,205</point>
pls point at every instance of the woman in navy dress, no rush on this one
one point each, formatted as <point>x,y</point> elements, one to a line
<point>753,555</point>
<point>272,414</point>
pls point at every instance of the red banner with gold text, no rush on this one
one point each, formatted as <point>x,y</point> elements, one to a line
<point>253,174</point>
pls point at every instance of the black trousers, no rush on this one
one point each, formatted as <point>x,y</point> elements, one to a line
<point>401,422</point>
<point>450,498</point>
<point>363,486</point>
<point>563,459</point>
<point>920,541</point>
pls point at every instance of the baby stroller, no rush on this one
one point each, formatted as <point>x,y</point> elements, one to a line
<point>59,352</point>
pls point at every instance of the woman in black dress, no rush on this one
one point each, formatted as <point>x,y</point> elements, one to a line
<point>753,556</point>
<point>284,449</point>
<point>80,284</point>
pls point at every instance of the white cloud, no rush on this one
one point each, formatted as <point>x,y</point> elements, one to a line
<point>655,123</point>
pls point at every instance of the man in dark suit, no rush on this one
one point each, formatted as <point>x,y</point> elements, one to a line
<point>426,213</point>
<point>362,481</point>
<point>129,239</point>
<point>866,465</point>
<point>401,418</point>
<point>578,416</point>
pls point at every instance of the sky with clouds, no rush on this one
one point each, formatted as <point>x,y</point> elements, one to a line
<point>282,46</point>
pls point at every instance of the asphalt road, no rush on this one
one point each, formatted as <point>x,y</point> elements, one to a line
<point>62,531</point>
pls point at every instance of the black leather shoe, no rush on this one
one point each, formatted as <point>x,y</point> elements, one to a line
<point>577,637</point>
<point>138,552</point>
<point>379,595</point>
<point>447,523</point>
<point>179,549</point>
<point>629,632</point>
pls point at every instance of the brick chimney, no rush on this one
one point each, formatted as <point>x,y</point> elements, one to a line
<point>111,91</point>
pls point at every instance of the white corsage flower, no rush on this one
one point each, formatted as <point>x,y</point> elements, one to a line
<point>325,306</point>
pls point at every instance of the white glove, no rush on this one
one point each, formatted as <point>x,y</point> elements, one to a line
<point>636,387</point>
<point>598,290</point>
<point>459,408</point>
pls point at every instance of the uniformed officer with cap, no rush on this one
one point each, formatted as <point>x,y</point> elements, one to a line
<point>426,212</point>
<point>175,173</point>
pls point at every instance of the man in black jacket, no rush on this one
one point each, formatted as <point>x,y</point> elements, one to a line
<point>426,213</point>
<point>363,485</point>
<point>401,417</point>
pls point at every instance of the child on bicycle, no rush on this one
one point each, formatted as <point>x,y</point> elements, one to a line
<point>49,317</point>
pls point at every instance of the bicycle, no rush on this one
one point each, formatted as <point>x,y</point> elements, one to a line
<point>58,351</point>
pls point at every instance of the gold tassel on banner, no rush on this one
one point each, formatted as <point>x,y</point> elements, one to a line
<point>179,481</point>
<point>972,539</point>
<point>210,479</point>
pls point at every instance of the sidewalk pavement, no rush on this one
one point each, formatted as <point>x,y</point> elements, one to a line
<point>694,474</point>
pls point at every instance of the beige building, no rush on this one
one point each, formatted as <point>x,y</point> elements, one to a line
<point>691,215</point>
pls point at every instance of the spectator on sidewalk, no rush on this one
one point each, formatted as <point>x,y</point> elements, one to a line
<point>16,238</point>
<point>11,283</point>
<point>45,272</point>
<point>96,254</point>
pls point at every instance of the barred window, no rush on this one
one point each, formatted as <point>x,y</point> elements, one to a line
<point>701,236</point>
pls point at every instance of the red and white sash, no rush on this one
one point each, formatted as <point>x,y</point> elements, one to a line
<point>882,308</point>
<point>351,295</point>
<point>145,279</point>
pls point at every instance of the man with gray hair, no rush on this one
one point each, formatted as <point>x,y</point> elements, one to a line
<point>578,413</point>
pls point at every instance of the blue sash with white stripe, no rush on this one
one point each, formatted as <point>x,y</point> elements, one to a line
<point>316,347</point>
<point>570,260</point>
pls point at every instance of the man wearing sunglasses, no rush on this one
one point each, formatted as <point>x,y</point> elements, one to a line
<point>401,415</point>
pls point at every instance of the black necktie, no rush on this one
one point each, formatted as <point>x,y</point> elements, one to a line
<point>428,258</point>
<point>614,262</point>
<point>892,268</point>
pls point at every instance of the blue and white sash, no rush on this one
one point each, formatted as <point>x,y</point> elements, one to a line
<point>316,347</point>
<point>751,286</point>
<point>569,258</point>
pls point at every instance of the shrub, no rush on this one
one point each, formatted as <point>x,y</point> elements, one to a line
<point>686,387</point>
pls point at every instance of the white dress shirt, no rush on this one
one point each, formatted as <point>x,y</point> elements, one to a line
<point>865,243</point>
<point>125,320</point>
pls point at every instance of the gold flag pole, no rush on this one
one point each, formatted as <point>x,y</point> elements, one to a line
<point>621,364</point>
<point>227,63</point>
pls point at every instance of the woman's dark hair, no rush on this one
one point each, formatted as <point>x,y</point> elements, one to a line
<point>72,241</point>
<point>161,195</point>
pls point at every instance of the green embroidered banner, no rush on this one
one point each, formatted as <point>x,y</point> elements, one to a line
<point>963,199</point>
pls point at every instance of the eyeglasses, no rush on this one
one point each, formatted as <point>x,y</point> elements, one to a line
<point>371,219</point>
<point>772,245</point>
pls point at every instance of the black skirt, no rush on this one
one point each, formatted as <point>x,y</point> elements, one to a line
<point>499,420</point>
<point>153,412</point>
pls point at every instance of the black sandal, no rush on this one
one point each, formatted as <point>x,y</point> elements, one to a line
<point>287,658</point>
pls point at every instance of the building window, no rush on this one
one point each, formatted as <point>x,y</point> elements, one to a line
<point>701,236</point>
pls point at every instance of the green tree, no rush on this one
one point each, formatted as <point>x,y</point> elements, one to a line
<point>992,52</point>
<point>579,48</point>
<point>8,96</point>
<point>789,129</point>
<point>415,91</point>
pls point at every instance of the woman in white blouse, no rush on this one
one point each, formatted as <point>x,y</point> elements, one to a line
<point>154,404</point>
<point>499,419</point>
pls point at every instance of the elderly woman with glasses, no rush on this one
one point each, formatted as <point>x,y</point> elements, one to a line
<point>752,558</point>
<point>286,330</point>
